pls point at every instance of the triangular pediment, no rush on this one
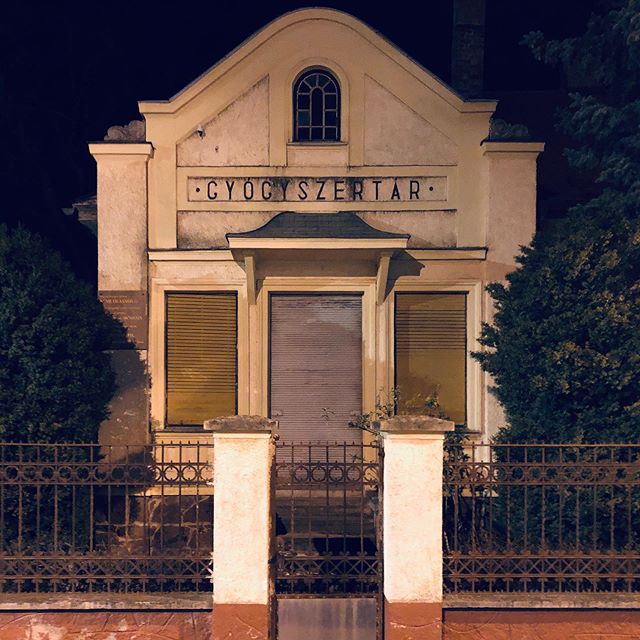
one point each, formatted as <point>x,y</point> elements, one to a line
<point>270,60</point>
<point>394,134</point>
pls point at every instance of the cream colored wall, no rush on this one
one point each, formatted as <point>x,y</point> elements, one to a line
<point>511,193</point>
<point>204,229</point>
<point>397,120</point>
<point>238,136</point>
<point>122,219</point>
<point>412,497</point>
<point>427,228</point>
<point>394,113</point>
<point>242,517</point>
<point>207,229</point>
<point>394,134</point>
<point>122,267</point>
<point>328,271</point>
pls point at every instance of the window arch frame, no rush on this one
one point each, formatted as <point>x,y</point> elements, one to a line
<point>303,132</point>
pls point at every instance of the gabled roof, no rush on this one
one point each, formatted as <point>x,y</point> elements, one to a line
<point>261,38</point>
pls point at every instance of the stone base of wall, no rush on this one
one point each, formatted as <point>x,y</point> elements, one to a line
<point>541,624</point>
<point>106,625</point>
<point>155,624</point>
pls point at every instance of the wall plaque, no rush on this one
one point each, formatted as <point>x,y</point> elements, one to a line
<point>129,308</point>
<point>317,189</point>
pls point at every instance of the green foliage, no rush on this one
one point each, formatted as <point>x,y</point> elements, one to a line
<point>603,119</point>
<point>454,442</point>
<point>55,379</point>
<point>564,348</point>
<point>369,421</point>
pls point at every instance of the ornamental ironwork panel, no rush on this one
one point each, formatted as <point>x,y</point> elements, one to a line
<point>76,518</point>
<point>328,516</point>
<point>542,518</point>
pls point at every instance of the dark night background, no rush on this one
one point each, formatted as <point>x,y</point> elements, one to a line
<point>69,70</point>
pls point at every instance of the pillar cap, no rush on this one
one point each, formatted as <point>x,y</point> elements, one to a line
<point>415,424</point>
<point>240,424</point>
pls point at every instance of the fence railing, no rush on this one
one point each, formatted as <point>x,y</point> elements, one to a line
<point>90,518</point>
<point>126,518</point>
<point>542,518</point>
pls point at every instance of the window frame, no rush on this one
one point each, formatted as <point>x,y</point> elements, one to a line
<point>183,292</point>
<point>474,382</point>
<point>466,320</point>
<point>156,356</point>
<point>307,71</point>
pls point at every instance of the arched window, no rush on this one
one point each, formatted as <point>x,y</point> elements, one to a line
<point>316,107</point>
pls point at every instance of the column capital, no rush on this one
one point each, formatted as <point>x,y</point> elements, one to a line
<point>414,425</point>
<point>241,425</point>
<point>144,150</point>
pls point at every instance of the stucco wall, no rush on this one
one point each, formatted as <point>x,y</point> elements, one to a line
<point>205,229</point>
<point>427,228</point>
<point>122,223</point>
<point>396,135</point>
<point>236,121</point>
<point>511,219</point>
<point>238,136</point>
<point>128,410</point>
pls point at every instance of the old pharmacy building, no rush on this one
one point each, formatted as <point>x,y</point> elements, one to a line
<point>305,230</point>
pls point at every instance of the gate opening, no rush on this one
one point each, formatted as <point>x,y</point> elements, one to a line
<point>328,536</point>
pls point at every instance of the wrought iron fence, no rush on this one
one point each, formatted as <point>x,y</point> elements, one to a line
<point>90,518</point>
<point>542,518</point>
<point>328,519</point>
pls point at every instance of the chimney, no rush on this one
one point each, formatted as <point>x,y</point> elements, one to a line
<point>467,48</point>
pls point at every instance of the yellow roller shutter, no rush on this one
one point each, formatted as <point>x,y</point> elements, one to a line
<point>430,347</point>
<point>202,336</point>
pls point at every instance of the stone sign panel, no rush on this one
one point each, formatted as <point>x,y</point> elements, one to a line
<point>129,308</point>
<point>317,189</point>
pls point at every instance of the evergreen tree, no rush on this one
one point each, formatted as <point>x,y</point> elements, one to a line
<point>55,378</point>
<point>564,346</point>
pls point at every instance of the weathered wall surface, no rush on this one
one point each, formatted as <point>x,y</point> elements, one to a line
<point>238,136</point>
<point>566,624</point>
<point>122,282</point>
<point>470,624</point>
<point>396,135</point>
<point>511,220</point>
<point>205,229</point>
<point>106,625</point>
<point>128,409</point>
<point>122,222</point>
<point>427,228</point>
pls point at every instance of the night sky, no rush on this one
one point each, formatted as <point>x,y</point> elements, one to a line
<point>69,70</point>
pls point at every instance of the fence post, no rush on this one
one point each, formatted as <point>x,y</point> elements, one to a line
<point>412,526</point>
<point>243,456</point>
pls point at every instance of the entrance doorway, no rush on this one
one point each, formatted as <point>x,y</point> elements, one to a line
<point>316,366</point>
<point>328,554</point>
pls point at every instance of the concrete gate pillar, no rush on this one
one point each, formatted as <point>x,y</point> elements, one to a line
<point>243,455</point>
<point>412,526</point>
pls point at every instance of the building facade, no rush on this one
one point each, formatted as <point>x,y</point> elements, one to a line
<point>305,232</point>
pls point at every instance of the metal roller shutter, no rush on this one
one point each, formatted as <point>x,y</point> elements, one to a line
<point>431,347</point>
<point>316,366</point>
<point>201,357</point>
